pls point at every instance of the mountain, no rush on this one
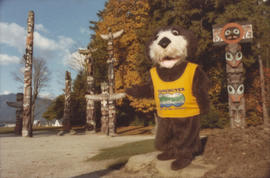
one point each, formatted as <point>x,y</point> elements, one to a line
<point>8,114</point>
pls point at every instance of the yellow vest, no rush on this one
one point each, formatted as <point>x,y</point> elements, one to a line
<point>175,99</point>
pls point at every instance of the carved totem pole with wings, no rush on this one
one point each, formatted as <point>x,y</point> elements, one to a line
<point>231,35</point>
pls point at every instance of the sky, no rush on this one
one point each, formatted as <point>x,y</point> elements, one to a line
<point>61,28</point>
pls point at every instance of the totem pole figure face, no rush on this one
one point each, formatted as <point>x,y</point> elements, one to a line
<point>237,112</point>
<point>90,79</point>
<point>19,97</point>
<point>235,92</point>
<point>237,104</point>
<point>233,55</point>
<point>104,89</point>
<point>232,33</point>
<point>235,78</point>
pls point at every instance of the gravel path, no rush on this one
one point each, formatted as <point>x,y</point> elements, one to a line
<point>49,155</point>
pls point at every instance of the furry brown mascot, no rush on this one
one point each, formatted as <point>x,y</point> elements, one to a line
<point>180,89</point>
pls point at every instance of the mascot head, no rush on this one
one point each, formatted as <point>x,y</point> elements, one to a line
<point>171,45</point>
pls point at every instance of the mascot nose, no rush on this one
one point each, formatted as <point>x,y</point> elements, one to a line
<point>164,42</point>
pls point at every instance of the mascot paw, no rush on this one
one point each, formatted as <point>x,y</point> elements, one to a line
<point>180,164</point>
<point>165,156</point>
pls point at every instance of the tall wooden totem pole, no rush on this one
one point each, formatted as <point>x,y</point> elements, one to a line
<point>90,108</point>
<point>231,35</point>
<point>110,37</point>
<point>67,107</point>
<point>19,110</point>
<point>107,120</point>
<point>27,99</point>
<point>104,109</point>
<point>108,96</point>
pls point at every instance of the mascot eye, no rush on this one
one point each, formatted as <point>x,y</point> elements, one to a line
<point>231,90</point>
<point>175,32</point>
<point>238,56</point>
<point>229,56</point>
<point>236,31</point>
<point>240,89</point>
<point>227,32</point>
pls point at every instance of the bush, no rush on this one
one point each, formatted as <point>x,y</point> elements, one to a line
<point>214,119</point>
<point>253,118</point>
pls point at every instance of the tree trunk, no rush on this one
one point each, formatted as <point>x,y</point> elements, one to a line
<point>263,94</point>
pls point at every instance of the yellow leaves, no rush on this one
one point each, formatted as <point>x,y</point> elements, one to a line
<point>128,15</point>
<point>142,105</point>
<point>215,90</point>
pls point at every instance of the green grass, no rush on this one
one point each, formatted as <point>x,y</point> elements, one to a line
<point>122,153</point>
<point>125,151</point>
<point>6,130</point>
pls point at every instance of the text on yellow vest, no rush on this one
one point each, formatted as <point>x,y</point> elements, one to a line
<point>175,99</point>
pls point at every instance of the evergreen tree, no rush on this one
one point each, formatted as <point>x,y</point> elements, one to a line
<point>78,101</point>
<point>56,109</point>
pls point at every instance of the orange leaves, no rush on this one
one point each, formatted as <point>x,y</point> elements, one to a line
<point>130,16</point>
<point>142,105</point>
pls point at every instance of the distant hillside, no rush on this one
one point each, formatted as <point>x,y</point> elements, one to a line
<point>8,114</point>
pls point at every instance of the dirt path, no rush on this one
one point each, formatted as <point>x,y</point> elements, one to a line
<point>49,155</point>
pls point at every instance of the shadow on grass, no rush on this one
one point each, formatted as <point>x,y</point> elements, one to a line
<point>95,174</point>
<point>116,165</point>
<point>125,151</point>
<point>129,130</point>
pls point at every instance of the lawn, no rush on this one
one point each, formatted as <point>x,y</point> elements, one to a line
<point>6,130</point>
<point>122,153</point>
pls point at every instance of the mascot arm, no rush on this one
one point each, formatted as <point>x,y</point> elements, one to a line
<point>200,90</point>
<point>145,90</point>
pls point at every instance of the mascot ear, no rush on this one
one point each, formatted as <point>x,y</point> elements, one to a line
<point>150,40</point>
<point>192,43</point>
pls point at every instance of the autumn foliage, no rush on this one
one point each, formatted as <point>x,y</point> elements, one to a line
<point>140,18</point>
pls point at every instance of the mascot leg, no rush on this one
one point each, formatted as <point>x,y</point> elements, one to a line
<point>163,136</point>
<point>186,141</point>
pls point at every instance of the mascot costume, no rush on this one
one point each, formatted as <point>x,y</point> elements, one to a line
<point>180,89</point>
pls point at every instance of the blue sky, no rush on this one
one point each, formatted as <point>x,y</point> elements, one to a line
<point>61,28</point>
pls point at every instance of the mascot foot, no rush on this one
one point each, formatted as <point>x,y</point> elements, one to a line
<point>165,156</point>
<point>180,164</point>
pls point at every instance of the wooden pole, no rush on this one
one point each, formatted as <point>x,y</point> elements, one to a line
<point>110,37</point>
<point>67,107</point>
<point>104,109</point>
<point>19,109</point>
<point>262,82</point>
<point>90,108</point>
<point>263,94</point>
<point>105,97</point>
<point>232,34</point>
<point>235,86</point>
<point>27,99</point>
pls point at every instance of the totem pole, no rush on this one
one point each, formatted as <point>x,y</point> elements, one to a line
<point>67,107</point>
<point>104,108</point>
<point>28,57</point>
<point>110,37</point>
<point>19,110</point>
<point>109,126</point>
<point>107,122</point>
<point>90,108</point>
<point>232,34</point>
